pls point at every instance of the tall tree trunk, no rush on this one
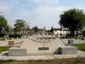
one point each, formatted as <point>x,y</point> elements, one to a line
<point>72,34</point>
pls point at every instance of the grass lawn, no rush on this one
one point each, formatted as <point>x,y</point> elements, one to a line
<point>3,38</point>
<point>3,49</point>
<point>52,61</point>
<point>80,46</point>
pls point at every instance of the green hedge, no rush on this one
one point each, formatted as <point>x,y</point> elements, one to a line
<point>14,35</point>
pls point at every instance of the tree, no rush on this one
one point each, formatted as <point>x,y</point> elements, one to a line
<point>20,24</point>
<point>3,23</point>
<point>83,33</point>
<point>72,19</point>
<point>51,30</point>
<point>7,28</point>
<point>35,29</point>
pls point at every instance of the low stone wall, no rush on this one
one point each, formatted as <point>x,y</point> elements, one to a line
<point>68,50</point>
<point>10,42</point>
<point>17,52</point>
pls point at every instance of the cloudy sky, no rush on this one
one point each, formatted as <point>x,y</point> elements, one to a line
<point>38,12</point>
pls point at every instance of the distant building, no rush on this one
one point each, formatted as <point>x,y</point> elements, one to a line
<point>60,32</point>
<point>26,31</point>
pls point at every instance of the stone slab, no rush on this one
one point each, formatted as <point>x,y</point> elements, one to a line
<point>17,52</point>
<point>68,50</point>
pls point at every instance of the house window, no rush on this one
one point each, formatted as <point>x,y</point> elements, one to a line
<point>43,48</point>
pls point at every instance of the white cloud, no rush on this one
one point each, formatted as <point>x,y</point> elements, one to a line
<point>3,7</point>
<point>48,16</point>
<point>46,12</point>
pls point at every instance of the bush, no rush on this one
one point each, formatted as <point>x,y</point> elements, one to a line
<point>80,37</point>
<point>68,35</point>
<point>2,34</point>
<point>15,35</point>
<point>83,33</point>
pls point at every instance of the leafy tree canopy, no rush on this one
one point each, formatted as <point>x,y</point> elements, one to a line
<point>73,19</point>
<point>3,23</point>
<point>35,29</point>
<point>19,25</point>
<point>51,30</point>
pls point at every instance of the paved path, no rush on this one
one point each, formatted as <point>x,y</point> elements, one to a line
<point>43,57</point>
<point>5,43</point>
<point>37,57</point>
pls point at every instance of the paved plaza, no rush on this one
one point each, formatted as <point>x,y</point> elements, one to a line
<point>43,57</point>
<point>38,47</point>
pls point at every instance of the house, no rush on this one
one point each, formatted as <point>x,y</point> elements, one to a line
<point>60,32</point>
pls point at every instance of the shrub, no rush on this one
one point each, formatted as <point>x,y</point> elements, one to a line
<point>83,33</point>
<point>68,35</point>
<point>15,35</point>
<point>2,34</point>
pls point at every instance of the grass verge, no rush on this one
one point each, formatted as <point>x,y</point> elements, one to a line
<point>80,46</point>
<point>3,38</point>
<point>4,48</point>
